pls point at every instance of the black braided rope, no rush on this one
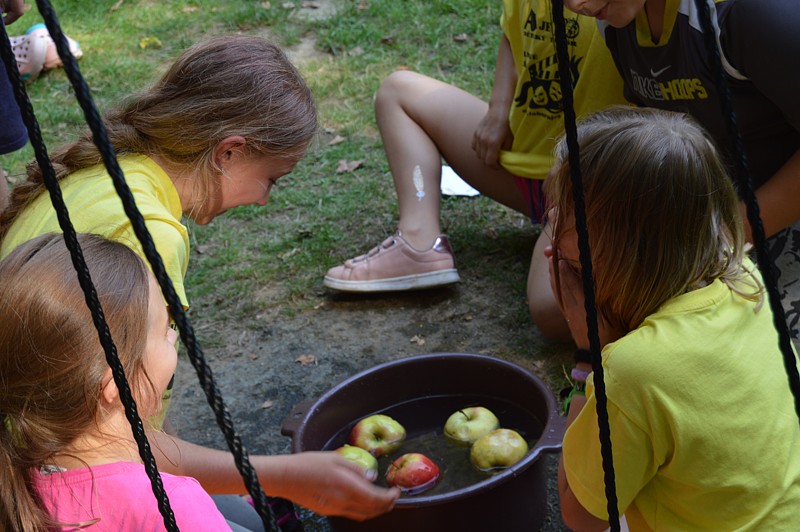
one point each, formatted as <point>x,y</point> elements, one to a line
<point>565,80</point>
<point>85,280</point>
<point>745,186</point>
<point>196,356</point>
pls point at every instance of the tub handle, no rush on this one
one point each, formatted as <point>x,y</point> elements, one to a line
<point>554,434</point>
<point>292,421</point>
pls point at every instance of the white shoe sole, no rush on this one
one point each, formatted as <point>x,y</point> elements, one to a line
<point>416,281</point>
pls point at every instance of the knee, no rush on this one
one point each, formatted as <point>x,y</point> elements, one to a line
<point>547,317</point>
<point>394,87</point>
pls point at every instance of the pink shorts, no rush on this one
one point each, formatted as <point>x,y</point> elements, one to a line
<point>531,190</point>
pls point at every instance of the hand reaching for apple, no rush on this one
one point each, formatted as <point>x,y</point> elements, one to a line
<point>328,484</point>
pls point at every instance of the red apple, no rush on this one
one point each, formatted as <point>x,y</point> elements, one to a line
<point>469,424</point>
<point>379,434</point>
<point>499,449</point>
<point>413,473</point>
<point>359,456</point>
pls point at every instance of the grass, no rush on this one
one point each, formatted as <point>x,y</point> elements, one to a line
<point>309,224</point>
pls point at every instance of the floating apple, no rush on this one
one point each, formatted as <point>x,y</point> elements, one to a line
<point>469,424</point>
<point>500,448</point>
<point>359,456</point>
<point>378,434</point>
<point>413,473</point>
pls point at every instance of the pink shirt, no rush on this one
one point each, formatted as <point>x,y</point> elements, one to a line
<point>121,497</point>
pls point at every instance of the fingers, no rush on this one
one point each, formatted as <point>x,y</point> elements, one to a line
<point>380,501</point>
<point>367,474</point>
<point>13,10</point>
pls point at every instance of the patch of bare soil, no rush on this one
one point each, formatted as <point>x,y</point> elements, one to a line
<point>266,366</point>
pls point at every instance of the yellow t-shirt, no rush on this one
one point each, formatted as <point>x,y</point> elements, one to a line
<point>536,116</point>
<point>95,207</point>
<point>703,427</point>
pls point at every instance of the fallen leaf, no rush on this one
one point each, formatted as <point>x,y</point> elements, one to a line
<point>338,139</point>
<point>150,42</point>
<point>265,5</point>
<point>202,248</point>
<point>417,339</point>
<point>116,6</point>
<point>306,360</point>
<point>310,5</point>
<point>468,317</point>
<point>252,356</point>
<point>355,52</point>
<point>190,9</point>
<point>288,5</point>
<point>387,39</point>
<point>267,404</point>
<point>403,67</point>
<point>348,166</point>
<point>319,305</point>
<point>461,37</point>
<point>289,254</point>
<point>363,4</point>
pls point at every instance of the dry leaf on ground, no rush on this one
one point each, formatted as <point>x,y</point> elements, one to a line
<point>306,360</point>
<point>338,139</point>
<point>418,339</point>
<point>267,404</point>
<point>461,37</point>
<point>348,166</point>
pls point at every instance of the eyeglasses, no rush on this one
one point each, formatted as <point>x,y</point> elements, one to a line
<point>551,230</point>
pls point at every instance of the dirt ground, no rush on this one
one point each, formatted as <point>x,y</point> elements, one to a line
<point>267,364</point>
<point>258,372</point>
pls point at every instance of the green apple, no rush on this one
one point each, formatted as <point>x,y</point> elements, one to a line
<point>378,434</point>
<point>359,456</point>
<point>469,424</point>
<point>499,449</point>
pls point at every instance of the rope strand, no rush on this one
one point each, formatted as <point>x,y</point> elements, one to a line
<point>568,108</point>
<point>196,356</point>
<point>85,280</point>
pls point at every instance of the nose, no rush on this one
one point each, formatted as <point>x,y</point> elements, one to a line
<point>578,6</point>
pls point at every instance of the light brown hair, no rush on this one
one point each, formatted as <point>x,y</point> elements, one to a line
<point>51,361</point>
<point>232,85</point>
<point>661,211</point>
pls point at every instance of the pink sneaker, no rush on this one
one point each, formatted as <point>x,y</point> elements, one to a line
<point>30,53</point>
<point>395,265</point>
<point>51,59</point>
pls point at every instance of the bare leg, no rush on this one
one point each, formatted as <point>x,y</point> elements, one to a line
<point>4,195</point>
<point>422,120</point>
<point>545,311</point>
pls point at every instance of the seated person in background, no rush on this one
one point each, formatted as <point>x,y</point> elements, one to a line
<point>503,148</point>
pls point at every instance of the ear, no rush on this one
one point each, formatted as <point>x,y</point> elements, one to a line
<point>109,392</point>
<point>228,148</point>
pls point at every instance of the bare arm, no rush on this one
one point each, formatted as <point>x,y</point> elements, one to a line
<point>12,10</point>
<point>778,199</point>
<point>575,516</point>
<point>493,133</point>
<point>323,482</point>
